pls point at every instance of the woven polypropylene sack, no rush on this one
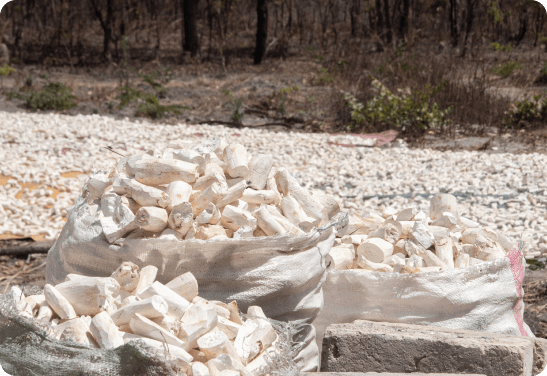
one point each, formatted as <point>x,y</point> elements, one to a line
<point>485,297</point>
<point>283,274</point>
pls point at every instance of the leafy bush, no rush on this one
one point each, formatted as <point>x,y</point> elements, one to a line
<point>54,96</point>
<point>324,77</point>
<point>235,106</point>
<point>6,70</point>
<point>282,96</point>
<point>406,110</point>
<point>507,69</point>
<point>501,48</point>
<point>149,104</point>
<point>526,111</point>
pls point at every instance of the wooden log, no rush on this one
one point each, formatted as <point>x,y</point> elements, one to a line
<point>235,156</point>
<point>216,343</point>
<point>105,332</point>
<point>151,308</point>
<point>127,276</point>
<point>191,156</point>
<point>233,193</point>
<point>267,222</point>
<point>375,250</point>
<point>181,218</point>
<point>176,304</point>
<point>157,171</point>
<point>214,193</point>
<point>260,166</point>
<point>90,295</point>
<point>444,251</point>
<point>145,195</point>
<point>147,277</point>
<point>373,266</point>
<point>142,326</point>
<point>252,196</point>
<point>152,219</point>
<point>185,285</point>
<point>234,218</point>
<point>179,192</point>
<point>442,203</point>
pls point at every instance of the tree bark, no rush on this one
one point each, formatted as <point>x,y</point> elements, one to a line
<point>379,17</point>
<point>523,25</point>
<point>403,25</point>
<point>261,30</point>
<point>469,24</point>
<point>191,40</point>
<point>106,25</point>
<point>389,34</point>
<point>453,17</point>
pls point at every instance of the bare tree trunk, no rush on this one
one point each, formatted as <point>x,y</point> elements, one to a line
<point>261,30</point>
<point>523,24</point>
<point>106,25</point>
<point>403,25</point>
<point>453,17</point>
<point>354,11</point>
<point>389,34</point>
<point>379,18</point>
<point>469,24</point>
<point>191,40</point>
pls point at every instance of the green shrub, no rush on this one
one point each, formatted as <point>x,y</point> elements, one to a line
<point>6,70</point>
<point>282,96</point>
<point>54,96</point>
<point>324,77</point>
<point>501,48</point>
<point>507,69</point>
<point>529,111</point>
<point>406,110</point>
<point>235,106</point>
<point>155,110</point>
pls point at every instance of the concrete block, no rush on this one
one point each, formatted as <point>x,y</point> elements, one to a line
<point>378,374</point>
<point>366,346</point>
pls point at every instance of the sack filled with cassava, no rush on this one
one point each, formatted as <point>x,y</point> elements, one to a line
<point>245,228</point>
<point>441,269</point>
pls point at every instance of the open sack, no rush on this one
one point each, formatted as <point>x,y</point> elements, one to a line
<point>283,274</point>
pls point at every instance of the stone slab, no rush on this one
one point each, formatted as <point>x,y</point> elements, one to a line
<point>379,374</point>
<point>366,346</point>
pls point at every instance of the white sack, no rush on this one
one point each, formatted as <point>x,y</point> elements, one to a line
<point>485,297</point>
<point>282,274</point>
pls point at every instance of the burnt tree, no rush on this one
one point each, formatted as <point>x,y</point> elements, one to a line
<point>191,38</point>
<point>261,30</point>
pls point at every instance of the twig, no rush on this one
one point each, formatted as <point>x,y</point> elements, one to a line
<point>113,151</point>
<point>234,125</point>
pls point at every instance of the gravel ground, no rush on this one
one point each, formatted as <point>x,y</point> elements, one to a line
<point>501,191</point>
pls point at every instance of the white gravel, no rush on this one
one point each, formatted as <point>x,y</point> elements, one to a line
<point>502,191</point>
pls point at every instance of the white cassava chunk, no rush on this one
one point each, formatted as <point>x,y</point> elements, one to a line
<point>259,170</point>
<point>443,203</point>
<point>176,304</point>
<point>185,285</point>
<point>157,171</point>
<point>151,218</point>
<point>90,295</point>
<point>58,303</point>
<point>127,275</point>
<point>181,218</point>
<point>105,332</point>
<point>235,156</point>
<point>375,250</point>
<point>234,218</point>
